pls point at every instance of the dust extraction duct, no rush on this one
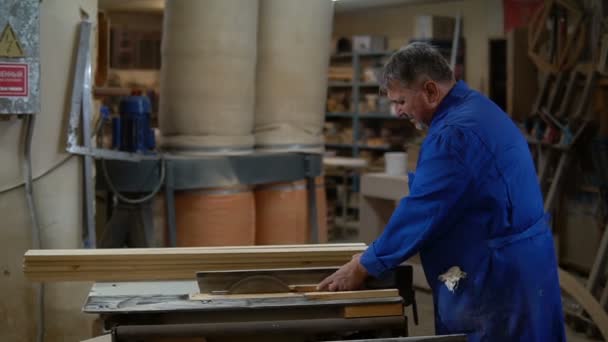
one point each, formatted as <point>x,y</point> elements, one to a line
<point>291,81</point>
<point>208,76</point>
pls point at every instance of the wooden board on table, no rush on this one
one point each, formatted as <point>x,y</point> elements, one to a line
<point>102,338</point>
<point>373,310</point>
<point>177,263</point>
<point>315,296</point>
<point>119,253</point>
<point>363,294</point>
<point>303,288</point>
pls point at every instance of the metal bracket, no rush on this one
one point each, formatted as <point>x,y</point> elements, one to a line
<point>82,67</point>
<point>81,103</point>
<point>112,155</point>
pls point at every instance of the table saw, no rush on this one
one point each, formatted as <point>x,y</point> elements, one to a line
<point>228,293</point>
<point>262,305</point>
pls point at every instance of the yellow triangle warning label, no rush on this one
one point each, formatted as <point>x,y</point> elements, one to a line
<point>9,44</point>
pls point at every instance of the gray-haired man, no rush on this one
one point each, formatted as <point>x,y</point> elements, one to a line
<point>474,212</point>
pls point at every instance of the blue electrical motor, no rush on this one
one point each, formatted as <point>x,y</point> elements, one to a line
<point>131,131</point>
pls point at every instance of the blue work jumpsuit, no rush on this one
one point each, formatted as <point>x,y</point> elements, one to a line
<point>475,204</point>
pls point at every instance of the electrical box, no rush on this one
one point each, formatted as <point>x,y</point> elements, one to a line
<point>19,57</point>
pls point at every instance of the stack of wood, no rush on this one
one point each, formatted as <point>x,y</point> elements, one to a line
<point>347,135</point>
<point>341,73</point>
<point>128,264</point>
<point>570,54</point>
<point>558,47</point>
<point>338,102</point>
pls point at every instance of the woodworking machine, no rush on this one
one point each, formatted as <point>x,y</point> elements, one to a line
<point>280,304</point>
<point>258,305</point>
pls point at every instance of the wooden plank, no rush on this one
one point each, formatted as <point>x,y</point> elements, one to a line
<point>172,254</point>
<point>151,273</point>
<point>207,265</point>
<point>177,263</point>
<point>566,54</point>
<point>303,288</point>
<point>227,259</point>
<point>362,294</point>
<point>314,296</point>
<point>102,338</point>
<point>179,251</point>
<point>105,276</point>
<point>538,22</point>
<point>572,287</point>
<point>373,310</point>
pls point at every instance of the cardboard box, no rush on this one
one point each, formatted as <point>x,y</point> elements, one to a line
<point>434,27</point>
<point>369,43</point>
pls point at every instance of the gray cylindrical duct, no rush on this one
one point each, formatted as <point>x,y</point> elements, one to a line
<point>208,75</point>
<point>291,84</point>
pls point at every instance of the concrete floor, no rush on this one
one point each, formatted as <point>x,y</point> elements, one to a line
<point>426,324</point>
<point>426,321</point>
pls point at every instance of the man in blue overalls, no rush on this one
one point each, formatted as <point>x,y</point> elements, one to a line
<point>474,212</point>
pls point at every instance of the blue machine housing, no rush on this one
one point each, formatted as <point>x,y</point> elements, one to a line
<point>131,131</point>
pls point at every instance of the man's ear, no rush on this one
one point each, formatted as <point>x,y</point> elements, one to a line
<point>431,89</point>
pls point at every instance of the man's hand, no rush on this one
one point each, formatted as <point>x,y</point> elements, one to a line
<point>349,277</point>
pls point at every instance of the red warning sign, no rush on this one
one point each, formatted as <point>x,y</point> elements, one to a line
<point>13,80</point>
